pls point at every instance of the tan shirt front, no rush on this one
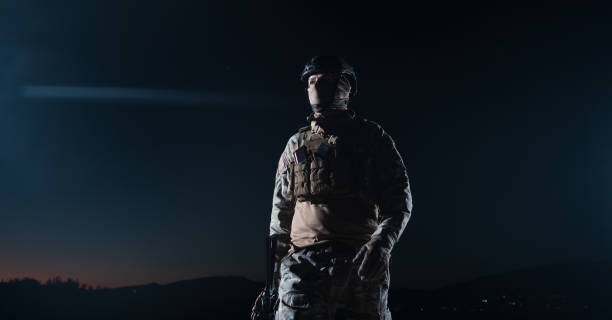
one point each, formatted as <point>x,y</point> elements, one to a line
<point>350,220</point>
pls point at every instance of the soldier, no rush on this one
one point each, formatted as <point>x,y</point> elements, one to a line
<point>341,201</point>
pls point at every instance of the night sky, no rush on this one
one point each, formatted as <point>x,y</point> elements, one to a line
<point>139,141</point>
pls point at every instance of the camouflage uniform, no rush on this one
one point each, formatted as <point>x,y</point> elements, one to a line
<point>320,282</point>
<point>323,220</point>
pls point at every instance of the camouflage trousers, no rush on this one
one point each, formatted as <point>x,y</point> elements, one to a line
<point>320,282</point>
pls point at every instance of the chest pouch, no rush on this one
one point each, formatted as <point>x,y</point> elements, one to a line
<point>322,169</point>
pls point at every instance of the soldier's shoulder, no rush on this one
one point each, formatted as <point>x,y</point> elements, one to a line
<point>286,157</point>
<point>294,138</point>
<point>372,127</point>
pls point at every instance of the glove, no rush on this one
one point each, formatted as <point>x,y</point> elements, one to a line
<point>372,260</point>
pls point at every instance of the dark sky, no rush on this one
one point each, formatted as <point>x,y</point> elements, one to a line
<point>139,141</point>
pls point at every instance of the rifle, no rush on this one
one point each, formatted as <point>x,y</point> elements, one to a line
<point>265,305</point>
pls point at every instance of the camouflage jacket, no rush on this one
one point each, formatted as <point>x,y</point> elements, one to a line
<point>392,207</point>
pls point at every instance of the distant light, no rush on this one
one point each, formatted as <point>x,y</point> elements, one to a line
<point>485,300</point>
<point>149,95</point>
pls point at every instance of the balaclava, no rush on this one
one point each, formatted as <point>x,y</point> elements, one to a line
<point>330,91</point>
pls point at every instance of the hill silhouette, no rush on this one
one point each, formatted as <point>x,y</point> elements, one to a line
<point>581,289</point>
<point>546,292</point>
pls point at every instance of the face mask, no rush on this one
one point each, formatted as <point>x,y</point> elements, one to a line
<point>328,91</point>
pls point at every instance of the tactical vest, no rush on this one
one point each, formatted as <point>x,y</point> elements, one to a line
<point>334,165</point>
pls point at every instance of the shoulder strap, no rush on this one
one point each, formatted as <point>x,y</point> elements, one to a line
<point>303,134</point>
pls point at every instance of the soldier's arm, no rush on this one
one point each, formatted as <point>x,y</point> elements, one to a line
<point>283,204</point>
<point>395,201</point>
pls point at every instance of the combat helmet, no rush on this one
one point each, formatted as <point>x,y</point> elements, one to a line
<point>335,64</point>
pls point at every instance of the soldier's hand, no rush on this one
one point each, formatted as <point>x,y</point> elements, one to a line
<point>256,312</point>
<point>372,260</point>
